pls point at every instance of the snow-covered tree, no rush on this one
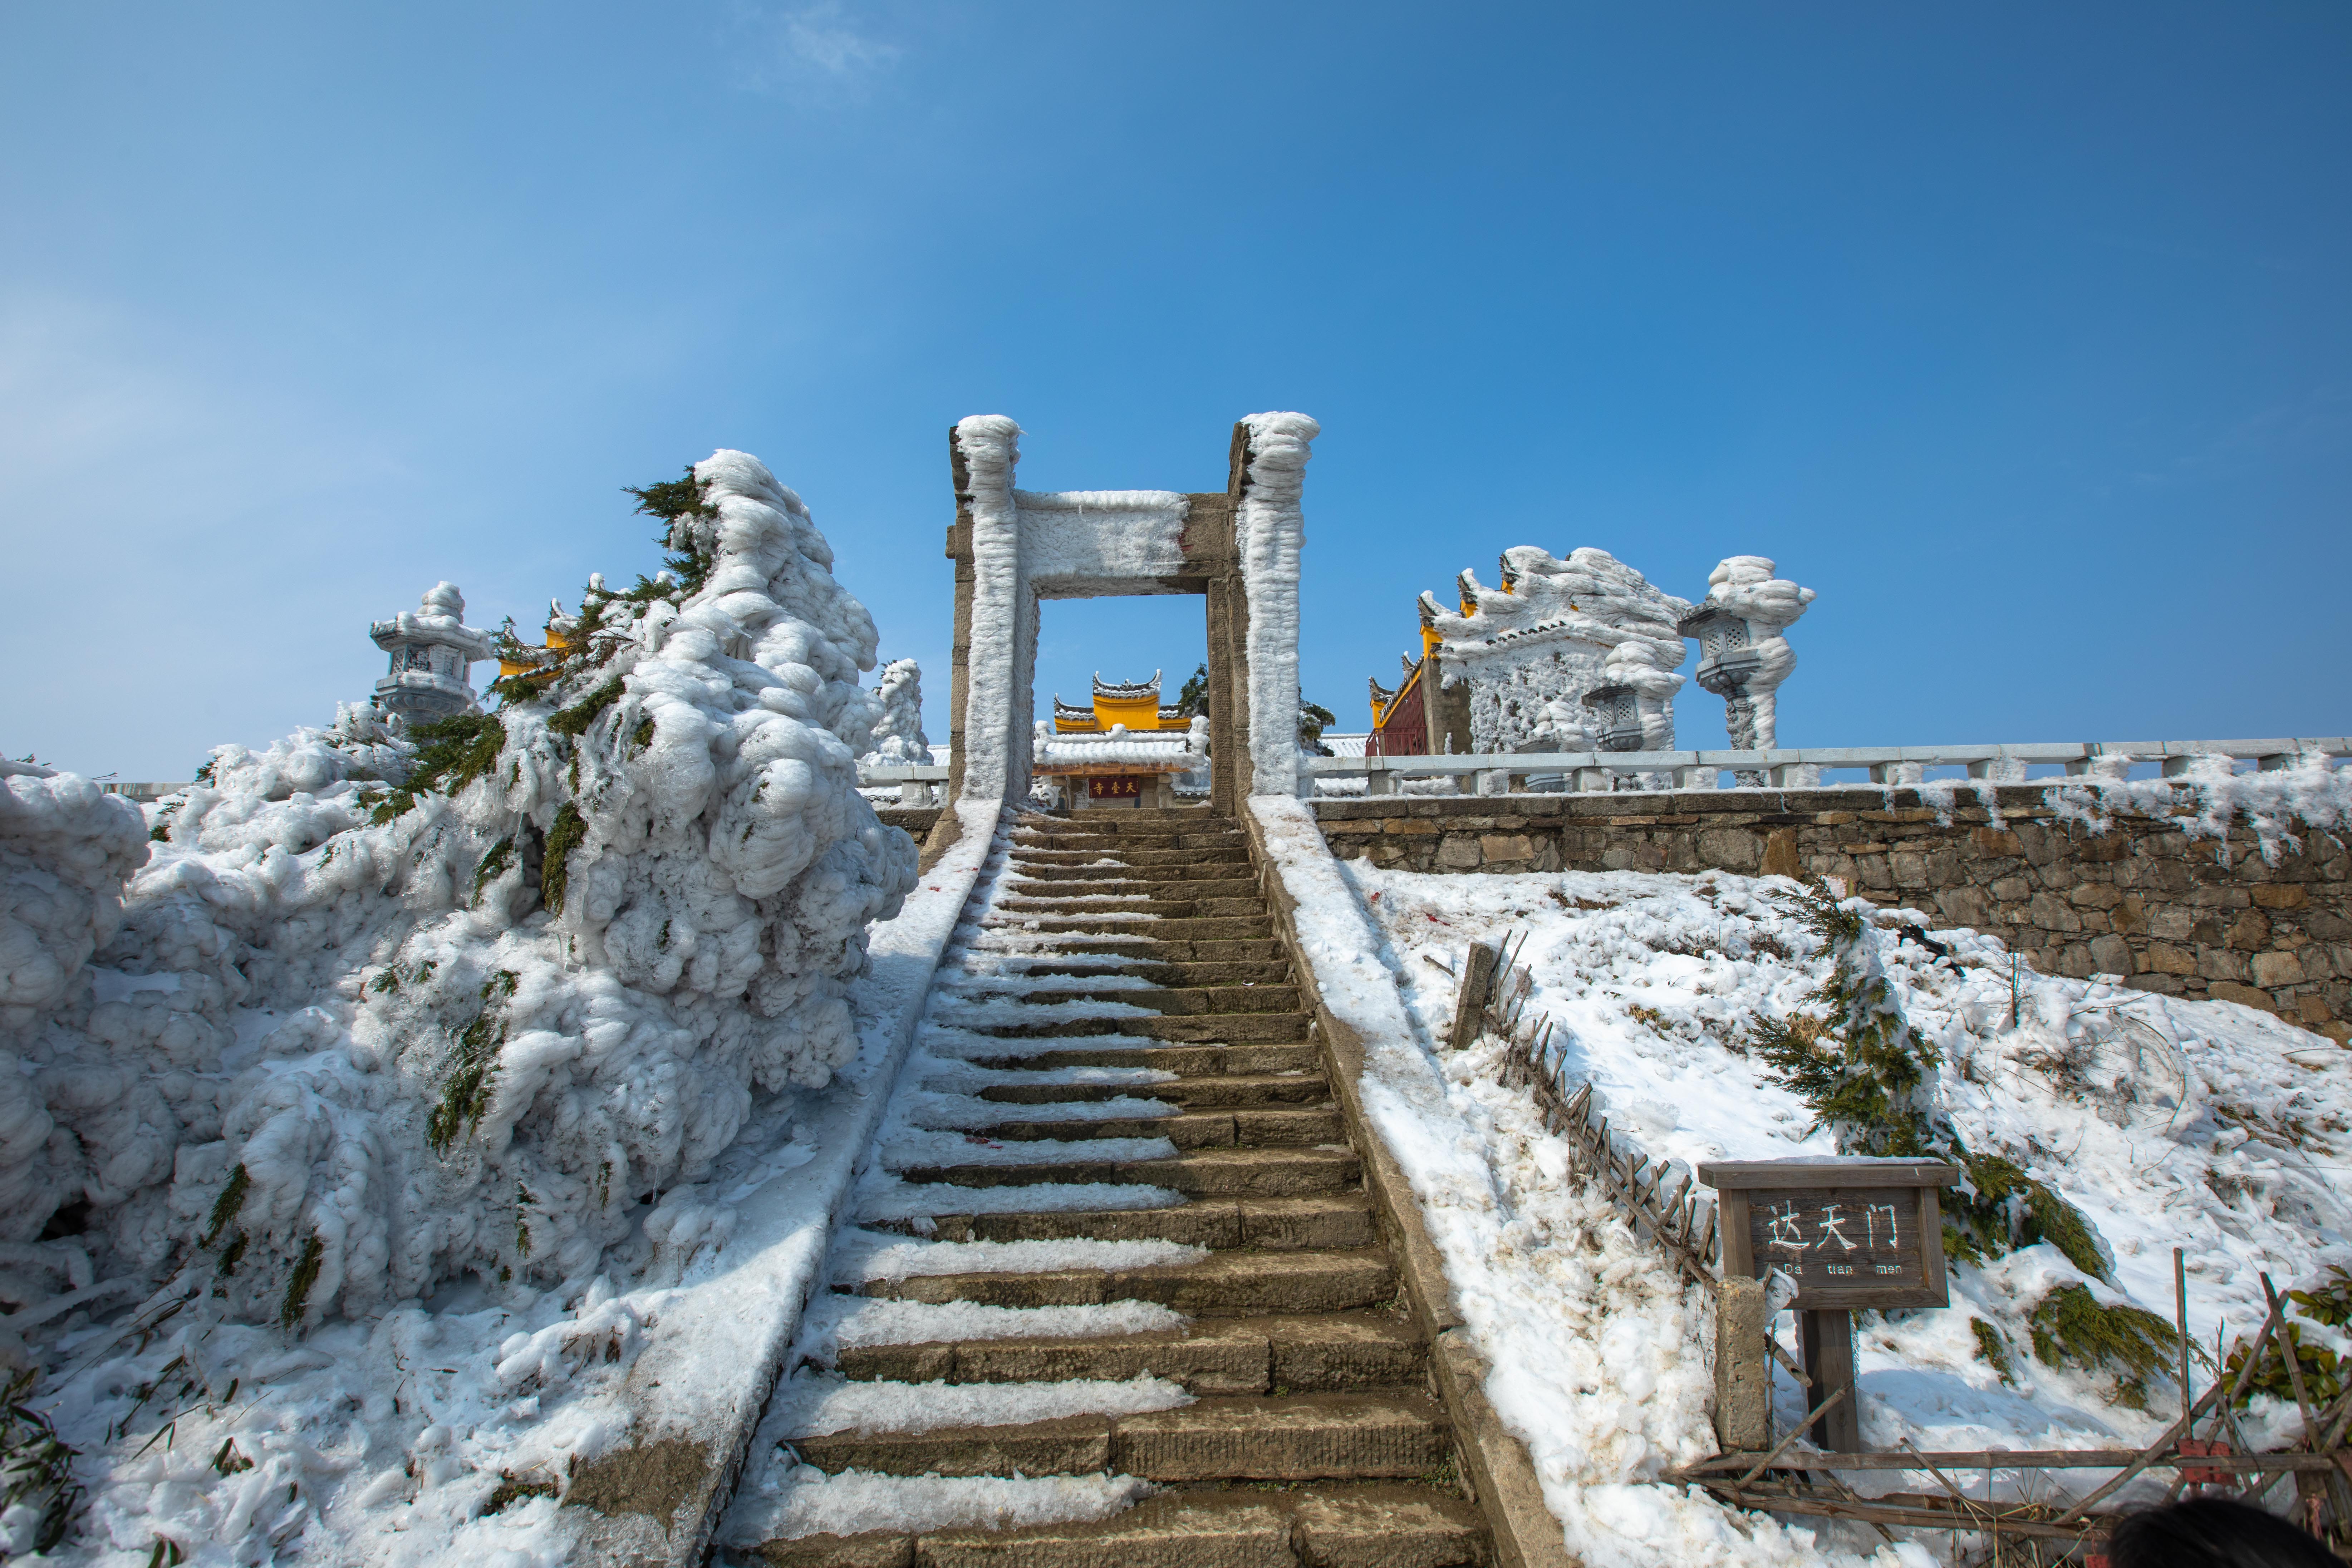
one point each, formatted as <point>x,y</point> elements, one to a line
<point>385,1008</point>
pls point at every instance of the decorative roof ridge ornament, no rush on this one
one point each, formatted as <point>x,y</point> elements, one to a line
<point>1126,689</point>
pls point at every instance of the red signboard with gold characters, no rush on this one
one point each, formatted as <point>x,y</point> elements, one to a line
<point>1119,786</point>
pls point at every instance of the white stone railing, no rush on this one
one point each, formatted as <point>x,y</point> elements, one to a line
<point>1801,768</point>
<point>920,783</point>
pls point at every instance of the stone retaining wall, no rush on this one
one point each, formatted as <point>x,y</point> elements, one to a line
<point>2186,917</point>
<point>918,820</point>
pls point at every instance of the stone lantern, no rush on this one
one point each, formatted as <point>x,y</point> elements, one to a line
<point>1728,660</point>
<point>1744,657</point>
<point>1617,713</point>
<point>432,651</point>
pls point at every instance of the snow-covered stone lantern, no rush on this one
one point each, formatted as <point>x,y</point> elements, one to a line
<point>1617,711</point>
<point>433,650</point>
<point>1728,659</point>
<point>1743,657</point>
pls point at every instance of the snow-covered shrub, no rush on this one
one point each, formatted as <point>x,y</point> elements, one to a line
<point>898,730</point>
<point>386,1008</point>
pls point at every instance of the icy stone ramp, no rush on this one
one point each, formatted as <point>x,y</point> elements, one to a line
<point>1116,1295</point>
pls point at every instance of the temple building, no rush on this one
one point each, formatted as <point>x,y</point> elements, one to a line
<point>1136,705</point>
<point>1126,751</point>
<point>433,653</point>
<point>1414,720</point>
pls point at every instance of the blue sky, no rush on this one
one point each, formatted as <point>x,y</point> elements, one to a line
<point>2020,333</point>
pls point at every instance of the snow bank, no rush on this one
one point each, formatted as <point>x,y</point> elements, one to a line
<point>2203,1125</point>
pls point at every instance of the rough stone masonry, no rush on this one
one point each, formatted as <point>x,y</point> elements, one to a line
<point>2187,917</point>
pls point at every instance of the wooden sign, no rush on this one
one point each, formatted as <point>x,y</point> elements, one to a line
<point>1850,1232</point>
<point>1119,786</point>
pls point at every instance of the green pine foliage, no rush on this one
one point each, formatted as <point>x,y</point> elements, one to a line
<point>451,754</point>
<point>1992,1348</point>
<point>675,502</point>
<point>1313,720</point>
<point>2326,1375</point>
<point>554,877</point>
<point>2070,1325</point>
<point>225,1207</point>
<point>1861,1069</point>
<point>297,1285</point>
<point>494,864</point>
<point>1192,698</point>
<point>575,720</point>
<point>36,1466</point>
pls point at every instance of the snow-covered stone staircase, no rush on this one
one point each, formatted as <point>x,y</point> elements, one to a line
<point>1117,1296</point>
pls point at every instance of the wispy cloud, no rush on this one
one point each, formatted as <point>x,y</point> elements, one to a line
<point>804,45</point>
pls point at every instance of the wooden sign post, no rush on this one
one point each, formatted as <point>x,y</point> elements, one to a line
<point>1850,1233</point>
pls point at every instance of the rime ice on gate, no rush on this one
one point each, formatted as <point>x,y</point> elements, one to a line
<point>433,650</point>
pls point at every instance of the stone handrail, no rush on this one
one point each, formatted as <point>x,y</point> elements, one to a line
<point>920,783</point>
<point>1801,767</point>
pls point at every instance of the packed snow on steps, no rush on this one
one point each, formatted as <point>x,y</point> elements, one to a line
<point>2203,1125</point>
<point>939,1094</point>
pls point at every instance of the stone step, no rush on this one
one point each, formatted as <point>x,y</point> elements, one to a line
<point>1325,1354</point>
<point>1327,1525</point>
<point>1183,815</point>
<point>1209,1028</point>
<point>1136,857</point>
<point>1183,866</point>
<point>1178,1000</point>
<point>1303,1437</point>
<point>1129,939</point>
<point>1285,1128</point>
<point>1083,967</point>
<point>1250,1060</point>
<point>1206,1172</point>
<point>1328,1222</point>
<point>1200,884</point>
<point>1226,1284</point>
<point>1243,908</point>
<point>1139,838</point>
<point>1224,928</point>
<point>1235,1089</point>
